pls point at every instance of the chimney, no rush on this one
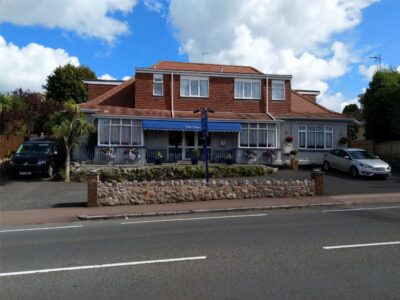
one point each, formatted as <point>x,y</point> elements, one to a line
<point>309,94</point>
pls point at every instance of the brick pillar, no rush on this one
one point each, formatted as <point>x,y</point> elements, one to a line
<point>92,180</point>
<point>318,176</point>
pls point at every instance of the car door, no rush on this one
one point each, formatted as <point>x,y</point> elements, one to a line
<point>333,158</point>
<point>344,162</point>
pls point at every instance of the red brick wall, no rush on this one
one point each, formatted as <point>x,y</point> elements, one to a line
<point>221,96</point>
<point>95,90</point>
<point>279,107</point>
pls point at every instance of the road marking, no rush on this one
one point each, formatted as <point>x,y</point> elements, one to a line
<point>356,209</point>
<point>193,219</point>
<point>132,263</point>
<point>41,228</point>
<point>360,245</point>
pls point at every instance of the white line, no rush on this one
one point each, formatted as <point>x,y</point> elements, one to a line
<point>132,263</point>
<point>41,228</point>
<point>361,245</point>
<point>363,208</point>
<point>193,219</point>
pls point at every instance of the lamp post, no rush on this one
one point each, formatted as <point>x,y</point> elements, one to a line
<point>204,129</point>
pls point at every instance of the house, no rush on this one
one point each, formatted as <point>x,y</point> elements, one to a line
<point>153,113</point>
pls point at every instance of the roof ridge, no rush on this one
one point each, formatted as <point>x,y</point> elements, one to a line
<point>316,104</point>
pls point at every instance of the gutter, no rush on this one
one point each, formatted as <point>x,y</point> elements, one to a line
<point>352,120</point>
<point>267,100</point>
<point>172,95</point>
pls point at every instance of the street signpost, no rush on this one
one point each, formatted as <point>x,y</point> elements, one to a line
<point>204,130</point>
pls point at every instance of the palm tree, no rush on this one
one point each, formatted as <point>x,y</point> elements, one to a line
<point>69,125</point>
<point>5,103</point>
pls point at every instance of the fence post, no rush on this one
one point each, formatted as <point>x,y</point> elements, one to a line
<point>318,176</point>
<point>92,180</point>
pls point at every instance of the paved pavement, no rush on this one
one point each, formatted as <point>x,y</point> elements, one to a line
<point>23,194</point>
<point>281,254</point>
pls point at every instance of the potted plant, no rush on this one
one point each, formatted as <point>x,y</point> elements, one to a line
<point>108,154</point>
<point>131,154</point>
<point>158,159</point>
<point>288,146</point>
<point>195,156</point>
<point>270,155</point>
<point>250,155</point>
<point>294,163</point>
<point>229,159</point>
<point>343,140</point>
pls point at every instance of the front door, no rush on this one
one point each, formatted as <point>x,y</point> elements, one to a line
<point>181,144</point>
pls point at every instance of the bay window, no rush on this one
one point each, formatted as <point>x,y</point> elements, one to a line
<point>315,136</point>
<point>119,132</point>
<point>194,86</point>
<point>258,135</point>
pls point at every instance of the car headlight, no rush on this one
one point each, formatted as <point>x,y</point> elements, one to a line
<point>41,162</point>
<point>366,166</point>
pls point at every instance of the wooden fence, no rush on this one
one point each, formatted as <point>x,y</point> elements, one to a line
<point>9,143</point>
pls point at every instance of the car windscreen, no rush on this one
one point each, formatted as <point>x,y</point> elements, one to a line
<point>33,148</point>
<point>361,155</point>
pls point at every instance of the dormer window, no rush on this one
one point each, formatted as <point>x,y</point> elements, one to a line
<point>158,83</point>
<point>247,89</point>
<point>194,86</point>
<point>278,90</point>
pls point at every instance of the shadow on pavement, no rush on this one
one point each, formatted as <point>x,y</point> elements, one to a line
<point>70,204</point>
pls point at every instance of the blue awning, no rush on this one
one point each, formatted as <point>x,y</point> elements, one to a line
<point>190,126</point>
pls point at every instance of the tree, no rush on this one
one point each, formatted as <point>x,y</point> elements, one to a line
<point>66,83</point>
<point>381,104</point>
<point>353,111</point>
<point>69,125</point>
<point>5,103</point>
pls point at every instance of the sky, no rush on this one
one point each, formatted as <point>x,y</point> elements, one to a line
<point>326,45</point>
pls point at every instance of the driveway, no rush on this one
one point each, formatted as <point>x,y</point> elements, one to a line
<point>31,193</point>
<point>35,193</point>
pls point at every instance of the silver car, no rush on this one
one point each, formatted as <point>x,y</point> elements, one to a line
<point>356,162</point>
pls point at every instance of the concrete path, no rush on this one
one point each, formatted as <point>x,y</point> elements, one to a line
<point>70,214</point>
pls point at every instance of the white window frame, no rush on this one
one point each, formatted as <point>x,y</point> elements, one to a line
<point>282,83</point>
<point>327,129</point>
<point>158,79</point>
<point>251,81</point>
<point>134,124</point>
<point>258,130</point>
<point>198,79</point>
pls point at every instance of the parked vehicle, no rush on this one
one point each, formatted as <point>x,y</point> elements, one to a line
<point>34,158</point>
<point>357,162</point>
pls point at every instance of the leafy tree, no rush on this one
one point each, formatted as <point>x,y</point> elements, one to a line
<point>381,104</point>
<point>69,125</point>
<point>352,110</point>
<point>66,83</point>
<point>5,103</point>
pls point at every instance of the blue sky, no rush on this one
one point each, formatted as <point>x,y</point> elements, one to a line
<point>324,44</point>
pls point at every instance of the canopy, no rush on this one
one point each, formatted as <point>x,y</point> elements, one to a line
<point>190,126</point>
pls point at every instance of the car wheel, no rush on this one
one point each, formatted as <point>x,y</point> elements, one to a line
<point>50,171</point>
<point>354,172</point>
<point>326,166</point>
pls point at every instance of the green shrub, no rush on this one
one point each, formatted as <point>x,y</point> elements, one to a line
<point>186,172</point>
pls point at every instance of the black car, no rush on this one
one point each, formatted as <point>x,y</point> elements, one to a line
<point>34,158</point>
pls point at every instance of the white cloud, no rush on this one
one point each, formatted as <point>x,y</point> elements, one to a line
<point>29,66</point>
<point>154,5</point>
<point>337,102</point>
<point>276,36</point>
<point>106,77</point>
<point>125,78</point>
<point>367,72</point>
<point>85,17</point>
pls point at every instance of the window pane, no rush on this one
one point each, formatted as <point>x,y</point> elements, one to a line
<point>204,88</point>
<point>104,121</point>
<point>115,135</point>
<point>244,125</point>
<point>194,88</point>
<point>244,137</point>
<point>302,140</point>
<point>271,138</point>
<point>328,140</point>
<point>189,138</point>
<point>262,125</point>
<point>320,140</point>
<point>328,128</point>
<point>262,138</point>
<point>320,128</point>
<point>247,90</point>
<point>115,121</point>
<point>126,122</point>
<point>311,140</point>
<point>175,138</point>
<point>272,126</point>
<point>184,87</point>
<point>157,89</point>
<point>136,133</point>
<point>158,77</point>
<point>302,127</point>
<point>253,125</point>
<point>104,134</point>
<point>126,135</point>
<point>239,89</point>
<point>253,138</point>
<point>256,90</point>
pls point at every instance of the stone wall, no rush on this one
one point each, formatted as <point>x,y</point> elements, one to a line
<point>150,192</point>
